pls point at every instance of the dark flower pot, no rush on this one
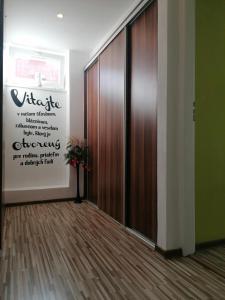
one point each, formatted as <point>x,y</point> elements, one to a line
<point>78,200</point>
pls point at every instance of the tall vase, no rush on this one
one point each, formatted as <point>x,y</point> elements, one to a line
<point>78,198</point>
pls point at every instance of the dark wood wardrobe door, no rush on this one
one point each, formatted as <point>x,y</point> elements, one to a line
<point>111,128</point>
<point>142,201</point>
<point>92,94</point>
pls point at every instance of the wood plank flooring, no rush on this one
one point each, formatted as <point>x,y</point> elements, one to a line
<point>66,251</point>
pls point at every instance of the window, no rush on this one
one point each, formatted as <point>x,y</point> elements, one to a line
<point>35,68</point>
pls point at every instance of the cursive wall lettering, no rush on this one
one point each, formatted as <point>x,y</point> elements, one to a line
<point>48,103</point>
<point>24,145</point>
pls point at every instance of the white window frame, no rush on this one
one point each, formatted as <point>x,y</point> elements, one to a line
<point>12,52</point>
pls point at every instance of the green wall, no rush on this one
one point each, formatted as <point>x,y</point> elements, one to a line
<point>210,120</point>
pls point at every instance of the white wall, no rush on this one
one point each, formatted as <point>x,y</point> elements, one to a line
<point>187,126</point>
<point>75,121</point>
<point>77,63</point>
<point>29,165</point>
<point>176,202</point>
<point>168,59</point>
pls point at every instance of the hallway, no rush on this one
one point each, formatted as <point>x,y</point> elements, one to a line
<point>67,251</point>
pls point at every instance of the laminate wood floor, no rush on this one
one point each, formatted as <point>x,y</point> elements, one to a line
<point>66,251</point>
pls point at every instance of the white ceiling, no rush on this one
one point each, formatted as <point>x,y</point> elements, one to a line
<point>85,23</point>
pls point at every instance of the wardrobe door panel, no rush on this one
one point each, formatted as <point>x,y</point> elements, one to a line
<point>111,128</point>
<point>92,94</point>
<point>142,198</point>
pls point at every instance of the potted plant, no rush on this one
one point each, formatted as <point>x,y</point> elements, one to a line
<point>76,156</point>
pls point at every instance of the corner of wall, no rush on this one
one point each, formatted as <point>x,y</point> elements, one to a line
<point>176,216</point>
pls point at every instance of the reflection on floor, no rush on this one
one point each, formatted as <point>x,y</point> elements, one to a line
<point>67,251</point>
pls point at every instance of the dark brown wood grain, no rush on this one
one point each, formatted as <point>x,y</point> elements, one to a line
<point>111,128</point>
<point>142,198</point>
<point>92,84</point>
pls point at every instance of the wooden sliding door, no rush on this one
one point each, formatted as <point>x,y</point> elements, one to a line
<point>92,96</point>
<point>142,191</point>
<point>106,87</point>
<point>111,128</point>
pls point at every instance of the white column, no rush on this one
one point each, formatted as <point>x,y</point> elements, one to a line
<point>176,216</point>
